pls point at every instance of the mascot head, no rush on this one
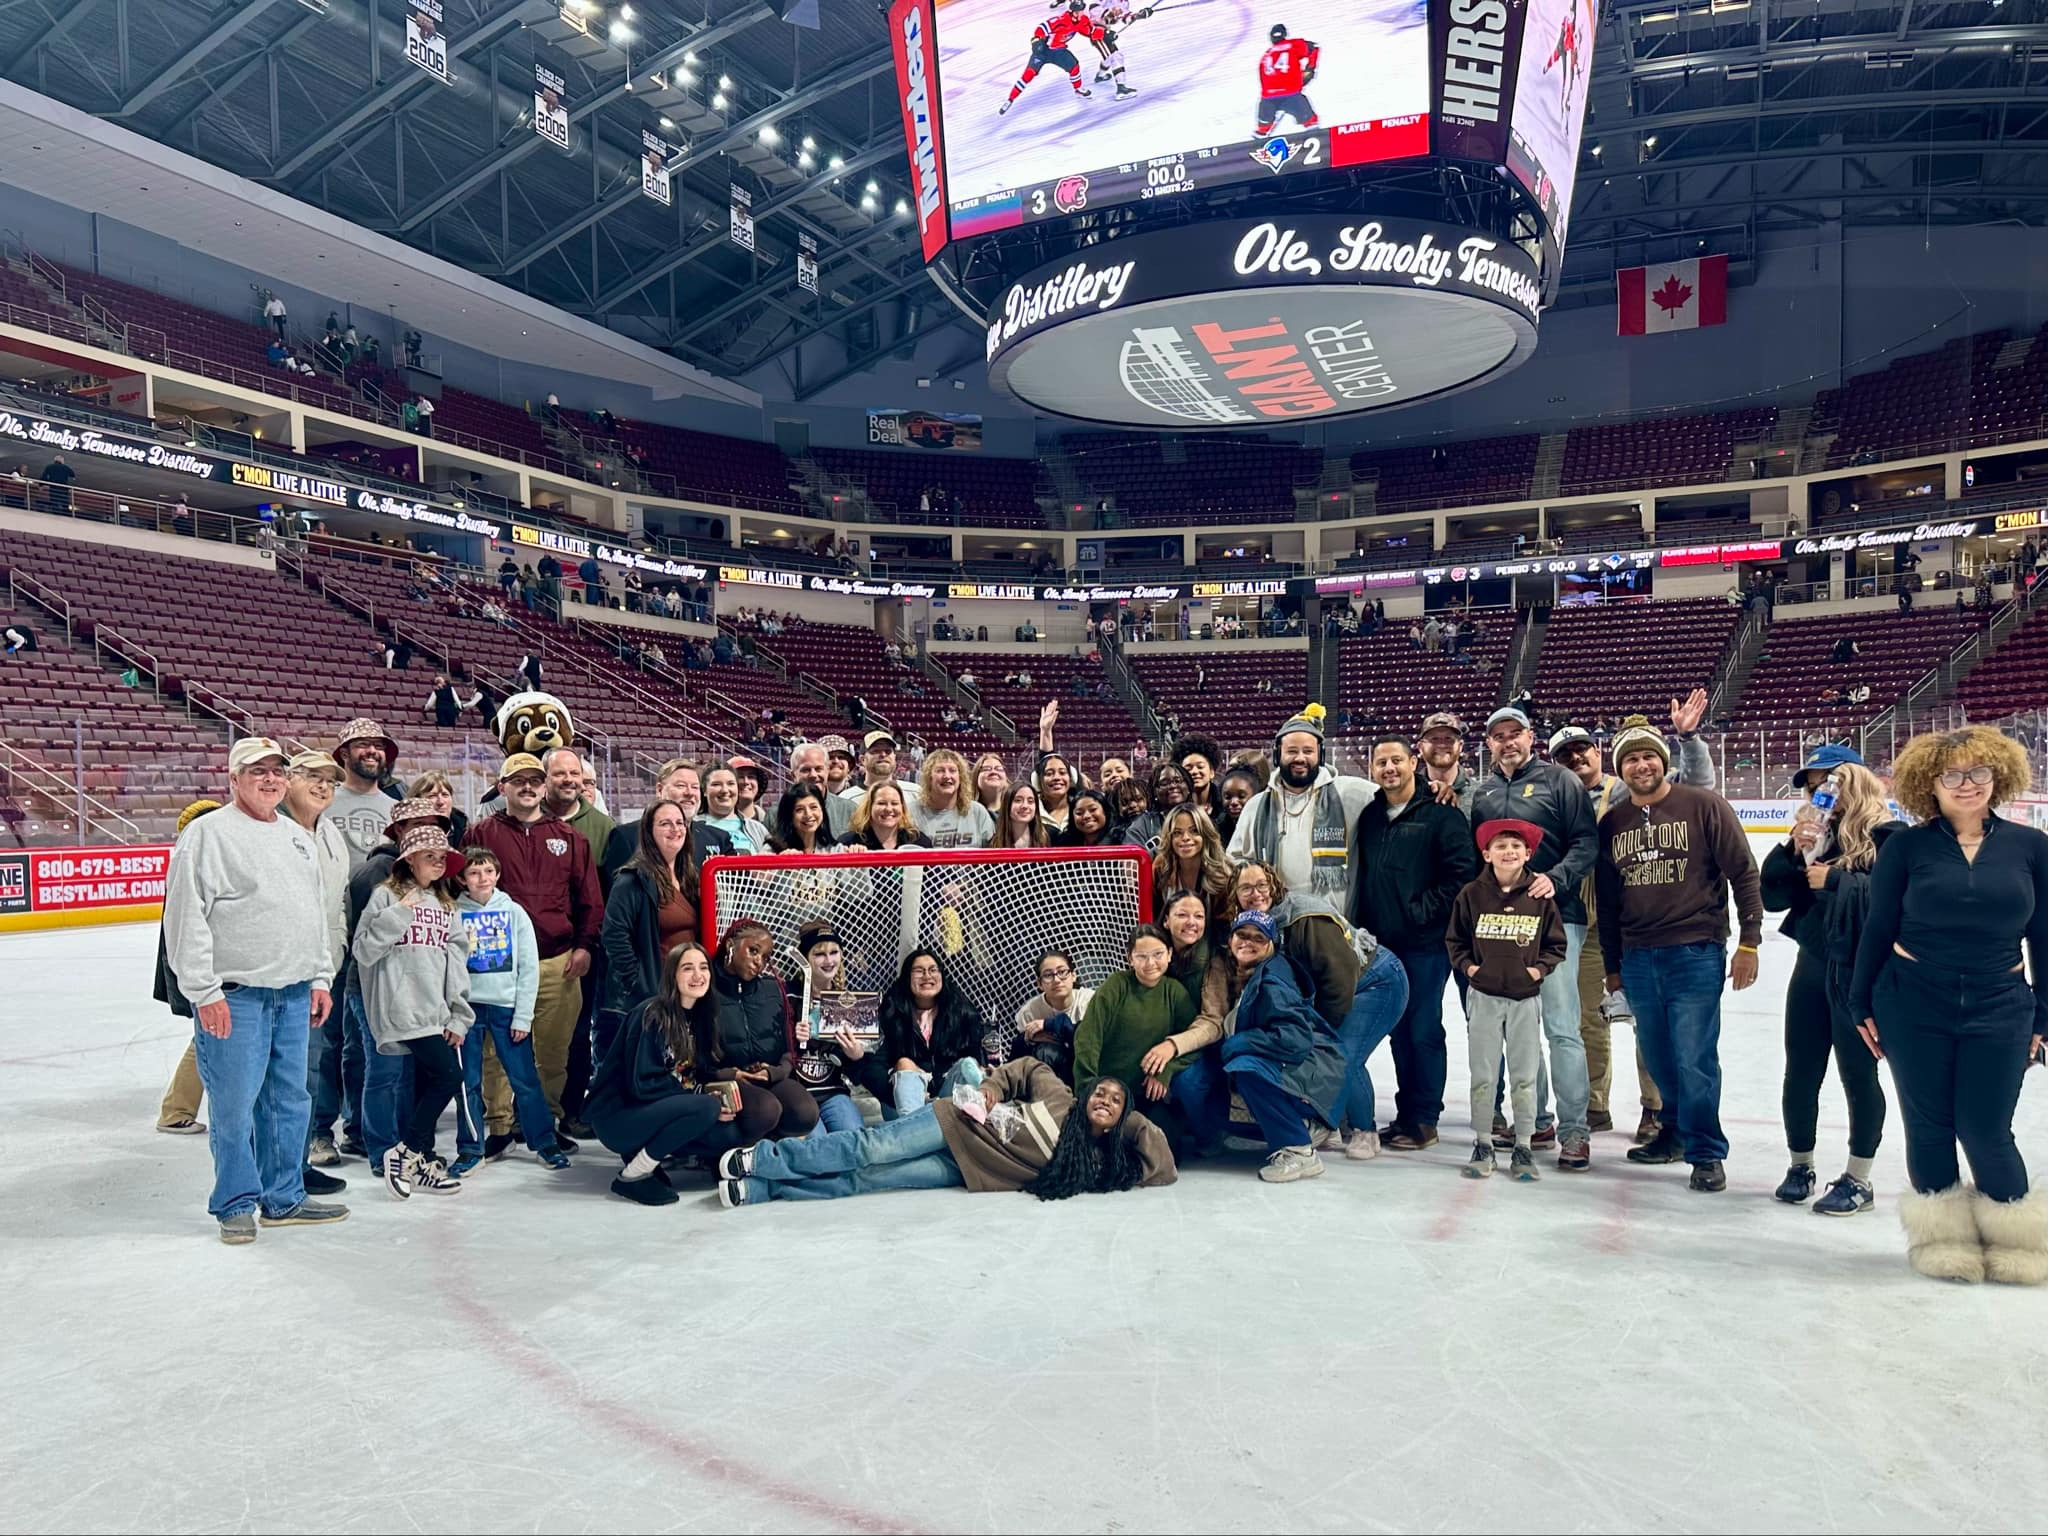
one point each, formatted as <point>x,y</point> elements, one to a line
<point>534,722</point>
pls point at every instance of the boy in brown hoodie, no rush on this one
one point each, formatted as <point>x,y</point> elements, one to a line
<point>1504,941</point>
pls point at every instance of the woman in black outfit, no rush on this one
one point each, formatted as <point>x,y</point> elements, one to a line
<point>642,1104</point>
<point>751,1041</point>
<point>1090,821</point>
<point>1819,878</point>
<point>1942,992</point>
<point>931,1030</point>
<point>652,907</point>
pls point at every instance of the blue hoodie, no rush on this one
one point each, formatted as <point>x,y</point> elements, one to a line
<point>504,960</point>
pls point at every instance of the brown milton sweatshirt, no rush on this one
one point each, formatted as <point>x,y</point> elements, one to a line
<point>1665,870</point>
<point>1504,932</point>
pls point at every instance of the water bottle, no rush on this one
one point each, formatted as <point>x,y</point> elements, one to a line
<point>1824,798</point>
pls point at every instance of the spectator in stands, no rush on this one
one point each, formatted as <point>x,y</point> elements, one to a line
<point>721,812</point>
<point>57,477</point>
<point>445,703</point>
<point>1415,854</point>
<point>1415,636</point>
<point>546,866</point>
<point>274,314</point>
<point>1940,990</point>
<point>1521,786</point>
<point>1669,935</point>
<point>278,355</point>
<point>244,909</point>
<point>19,636</point>
<point>1845,649</point>
<point>413,342</point>
<point>1019,825</point>
<point>882,821</point>
<point>991,783</point>
<point>947,812</point>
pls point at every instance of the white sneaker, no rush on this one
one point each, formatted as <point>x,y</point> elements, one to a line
<point>1615,1009</point>
<point>397,1170</point>
<point>1291,1163</point>
<point>431,1174</point>
<point>1363,1146</point>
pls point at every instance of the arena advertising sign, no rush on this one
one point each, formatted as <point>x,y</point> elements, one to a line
<point>915,41</point>
<point>67,437</point>
<point>925,429</point>
<point>37,882</point>
<point>847,586</point>
<point>1884,538</point>
<point>1260,324</point>
<point>420,512</point>
<point>424,44</point>
<point>1550,103</point>
<point>525,536</point>
<point>759,576</point>
<point>290,484</point>
<point>1474,46</point>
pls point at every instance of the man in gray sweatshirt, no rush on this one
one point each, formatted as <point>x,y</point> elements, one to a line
<point>247,935</point>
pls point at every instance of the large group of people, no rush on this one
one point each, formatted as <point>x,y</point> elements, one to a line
<point>357,963</point>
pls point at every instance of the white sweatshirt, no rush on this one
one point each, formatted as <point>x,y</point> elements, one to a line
<point>244,902</point>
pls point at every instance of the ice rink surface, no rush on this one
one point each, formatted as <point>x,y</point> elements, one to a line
<point>1390,1347</point>
<point>1194,65</point>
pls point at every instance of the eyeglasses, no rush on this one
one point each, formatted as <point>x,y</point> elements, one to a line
<point>1055,972</point>
<point>1255,887</point>
<point>929,972</point>
<point>1980,775</point>
<point>265,771</point>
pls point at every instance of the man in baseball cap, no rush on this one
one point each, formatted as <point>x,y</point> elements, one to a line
<point>878,763</point>
<point>362,803</point>
<point>1441,746</point>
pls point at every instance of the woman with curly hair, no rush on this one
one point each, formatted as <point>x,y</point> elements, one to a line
<point>1820,878</point>
<point>1028,1133</point>
<point>1190,858</point>
<point>947,813</point>
<point>1941,990</point>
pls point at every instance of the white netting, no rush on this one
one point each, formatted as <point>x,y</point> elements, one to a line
<point>1158,370</point>
<point>988,916</point>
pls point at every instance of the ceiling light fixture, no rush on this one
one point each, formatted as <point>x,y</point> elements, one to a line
<point>725,82</point>
<point>718,102</point>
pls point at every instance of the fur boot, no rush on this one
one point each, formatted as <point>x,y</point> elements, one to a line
<point>2015,1235</point>
<point>1941,1233</point>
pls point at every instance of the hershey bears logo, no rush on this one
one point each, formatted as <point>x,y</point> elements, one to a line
<point>558,846</point>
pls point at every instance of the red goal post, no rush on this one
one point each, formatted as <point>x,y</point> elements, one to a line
<point>987,912</point>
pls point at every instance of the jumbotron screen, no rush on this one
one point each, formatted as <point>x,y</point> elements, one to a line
<point>1550,104</point>
<point>1047,109</point>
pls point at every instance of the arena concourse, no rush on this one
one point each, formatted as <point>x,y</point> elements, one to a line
<point>557,722</point>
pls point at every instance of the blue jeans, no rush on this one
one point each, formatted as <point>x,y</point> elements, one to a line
<point>1376,1007</point>
<point>912,1090</point>
<point>1283,1119</point>
<point>906,1153</point>
<point>494,1022</point>
<point>256,1079</point>
<point>1676,992</point>
<point>1565,1056</point>
<point>353,1037</point>
<point>323,1074</point>
<point>1421,1055</point>
<point>387,1089</point>
<point>1201,1093</point>
<point>837,1112</point>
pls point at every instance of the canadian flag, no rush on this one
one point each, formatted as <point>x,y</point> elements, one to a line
<point>1678,296</point>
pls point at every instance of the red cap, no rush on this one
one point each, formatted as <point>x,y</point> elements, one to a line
<point>1530,834</point>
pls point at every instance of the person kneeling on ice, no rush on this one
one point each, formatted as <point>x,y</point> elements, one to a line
<point>504,983</point>
<point>415,962</point>
<point>1280,1055</point>
<point>1020,1128</point>
<point>1504,940</point>
<point>644,1103</point>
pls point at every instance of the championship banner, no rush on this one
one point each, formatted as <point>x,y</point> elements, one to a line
<point>925,429</point>
<point>550,105</point>
<point>807,263</point>
<point>742,217</point>
<point>655,154</point>
<point>424,44</point>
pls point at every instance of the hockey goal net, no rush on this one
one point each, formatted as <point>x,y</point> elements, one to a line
<point>987,913</point>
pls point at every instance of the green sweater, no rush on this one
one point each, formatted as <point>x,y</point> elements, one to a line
<point>1124,1021</point>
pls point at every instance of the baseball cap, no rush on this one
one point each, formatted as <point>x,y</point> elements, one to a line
<point>1530,834</point>
<point>741,765</point>
<point>1262,921</point>
<point>253,749</point>
<point>520,762</point>
<point>874,738</point>
<point>1442,720</point>
<point>1570,736</point>
<point>316,762</point>
<point>1507,712</point>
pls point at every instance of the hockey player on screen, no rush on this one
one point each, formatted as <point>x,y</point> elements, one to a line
<point>1567,49</point>
<point>1049,42</point>
<point>1117,15</point>
<point>1285,70</point>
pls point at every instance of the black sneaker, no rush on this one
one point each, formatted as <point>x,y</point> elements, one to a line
<point>1503,1138</point>
<point>351,1146</point>
<point>318,1183</point>
<point>1664,1147</point>
<point>577,1126</point>
<point>1522,1164</point>
<point>1797,1185</point>
<point>1709,1178</point>
<point>497,1145</point>
<point>644,1191</point>
<point>1845,1197</point>
<point>566,1142</point>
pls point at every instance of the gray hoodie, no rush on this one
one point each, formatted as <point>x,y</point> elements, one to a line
<point>414,963</point>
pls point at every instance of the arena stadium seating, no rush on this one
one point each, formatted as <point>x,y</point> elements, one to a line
<point>2014,679</point>
<point>992,492</point>
<point>1385,683</point>
<point>460,415</point>
<point>1199,480</point>
<point>1920,402</point>
<point>1227,703</point>
<point>1089,726</point>
<point>705,466</point>
<point>1449,474</point>
<point>1662,450</point>
<point>852,662</point>
<point>1602,659</point>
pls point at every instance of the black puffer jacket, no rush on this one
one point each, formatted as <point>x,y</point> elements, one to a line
<point>752,1026</point>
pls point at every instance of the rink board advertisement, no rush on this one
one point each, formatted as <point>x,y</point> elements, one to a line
<point>62,887</point>
<point>1550,105</point>
<point>1186,93</point>
<point>1475,48</point>
<point>1256,324</point>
